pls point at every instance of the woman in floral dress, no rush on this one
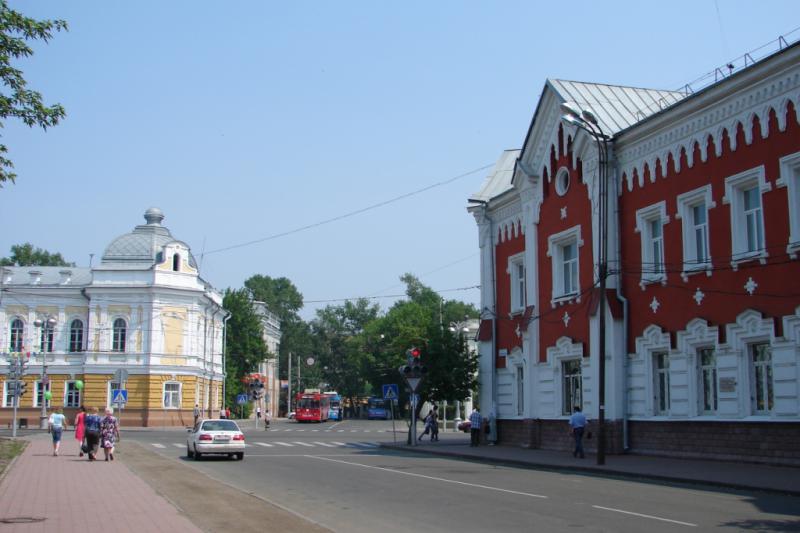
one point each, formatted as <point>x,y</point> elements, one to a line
<point>109,433</point>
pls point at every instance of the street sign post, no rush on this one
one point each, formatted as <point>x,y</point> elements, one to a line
<point>391,393</point>
<point>241,399</point>
<point>119,397</point>
<point>412,373</point>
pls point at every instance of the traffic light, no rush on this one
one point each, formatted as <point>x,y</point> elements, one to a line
<point>413,371</point>
<point>21,388</point>
<point>256,389</point>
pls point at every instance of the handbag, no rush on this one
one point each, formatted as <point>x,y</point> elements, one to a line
<point>85,448</point>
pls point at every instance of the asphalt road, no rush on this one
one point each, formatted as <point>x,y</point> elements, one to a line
<point>334,475</point>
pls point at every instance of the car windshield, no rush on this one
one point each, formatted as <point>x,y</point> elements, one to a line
<point>220,425</point>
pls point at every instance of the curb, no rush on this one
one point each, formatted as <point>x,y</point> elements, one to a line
<point>5,472</point>
<point>606,472</point>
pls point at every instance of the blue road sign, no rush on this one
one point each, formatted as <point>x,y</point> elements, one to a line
<point>391,392</point>
<point>119,396</point>
<point>241,399</point>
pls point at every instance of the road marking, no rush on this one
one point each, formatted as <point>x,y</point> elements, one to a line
<point>645,516</point>
<point>287,430</point>
<point>327,431</point>
<point>264,444</point>
<point>177,445</point>
<point>444,480</point>
<point>157,445</point>
<point>340,431</point>
<point>301,430</point>
<point>325,444</point>
<point>363,444</point>
<point>339,443</point>
<point>314,430</point>
<point>284,444</point>
<point>303,444</point>
<point>333,426</point>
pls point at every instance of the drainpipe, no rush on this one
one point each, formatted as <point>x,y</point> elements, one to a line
<point>224,351</point>
<point>88,324</point>
<point>621,296</point>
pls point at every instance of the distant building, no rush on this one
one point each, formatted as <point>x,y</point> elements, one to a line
<point>702,314</point>
<point>268,368</point>
<point>143,310</point>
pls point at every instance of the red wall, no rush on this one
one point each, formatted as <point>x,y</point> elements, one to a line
<point>506,327</point>
<point>778,291</point>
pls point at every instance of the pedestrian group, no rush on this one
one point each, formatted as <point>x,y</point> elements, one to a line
<point>91,431</point>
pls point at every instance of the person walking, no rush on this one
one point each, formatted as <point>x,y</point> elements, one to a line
<point>258,412</point>
<point>56,425</point>
<point>109,433</point>
<point>475,425</point>
<point>267,419</point>
<point>80,429</point>
<point>227,412</point>
<point>435,424</point>
<point>222,413</point>
<point>196,414</point>
<point>92,433</point>
<point>427,421</point>
<point>577,423</point>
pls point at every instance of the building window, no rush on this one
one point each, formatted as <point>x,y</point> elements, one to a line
<point>572,386</point>
<point>743,193</point>
<point>8,394</point>
<point>762,378</point>
<point>46,338</point>
<point>650,225</point>
<point>790,178</point>
<point>120,334</point>
<point>693,209</point>
<point>708,380</point>
<point>176,262</point>
<point>661,384</point>
<point>562,181</point>
<point>172,395</point>
<point>520,391</point>
<point>72,396</point>
<point>39,393</point>
<point>516,268</point>
<point>17,335</point>
<point>563,249</point>
<point>76,336</point>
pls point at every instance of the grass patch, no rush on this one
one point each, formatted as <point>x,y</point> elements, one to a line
<point>9,449</point>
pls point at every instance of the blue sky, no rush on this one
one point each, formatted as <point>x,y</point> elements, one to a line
<point>246,119</point>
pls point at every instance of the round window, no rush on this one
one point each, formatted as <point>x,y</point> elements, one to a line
<point>562,181</point>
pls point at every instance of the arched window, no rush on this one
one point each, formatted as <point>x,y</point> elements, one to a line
<point>47,338</point>
<point>176,262</point>
<point>76,336</point>
<point>17,335</point>
<point>120,335</point>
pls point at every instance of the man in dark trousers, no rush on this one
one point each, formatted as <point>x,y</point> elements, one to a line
<point>475,425</point>
<point>578,423</point>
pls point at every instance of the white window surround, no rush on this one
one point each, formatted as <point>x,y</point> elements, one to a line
<point>173,401</point>
<point>652,272</point>
<point>695,336</point>
<point>734,187</point>
<point>565,350</point>
<point>750,328</point>
<point>37,385</point>
<point>518,288</point>
<point>555,247</point>
<point>686,203</point>
<point>8,401</point>
<point>790,178</point>
<point>76,394</point>
<point>652,341</point>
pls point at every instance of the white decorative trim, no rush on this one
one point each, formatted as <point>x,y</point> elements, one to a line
<point>790,178</point>
<point>554,244</point>
<point>652,340</point>
<point>733,197</point>
<point>644,216</point>
<point>697,335</point>
<point>685,202</point>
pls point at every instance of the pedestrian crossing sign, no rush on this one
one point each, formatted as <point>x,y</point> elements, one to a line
<point>391,392</point>
<point>119,396</point>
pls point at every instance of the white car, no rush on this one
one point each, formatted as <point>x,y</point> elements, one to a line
<point>215,436</point>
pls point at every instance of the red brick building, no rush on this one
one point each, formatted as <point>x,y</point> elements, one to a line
<point>702,315</point>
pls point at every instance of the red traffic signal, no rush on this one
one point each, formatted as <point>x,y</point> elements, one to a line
<point>414,352</point>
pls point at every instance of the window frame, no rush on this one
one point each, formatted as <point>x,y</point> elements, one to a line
<point>790,178</point>
<point>735,188</point>
<point>8,395</point>
<point>39,393</point>
<point>179,393</point>
<point>769,378</point>
<point>556,244</point>
<point>702,369</point>
<point>47,335</point>
<point>73,342</point>
<point>520,384</point>
<point>644,218</point>
<point>686,203</point>
<point>16,334</point>
<point>67,384</point>
<point>518,283</point>
<point>661,387</point>
<point>571,383</point>
<point>119,342</point>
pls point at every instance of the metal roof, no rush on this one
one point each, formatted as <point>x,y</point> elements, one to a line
<point>616,107</point>
<point>499,179</point>
<point>143,245</point>
<point>46,275</point>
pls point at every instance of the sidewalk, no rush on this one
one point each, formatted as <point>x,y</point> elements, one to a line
<point>42,493</point>
<point>742,476</point>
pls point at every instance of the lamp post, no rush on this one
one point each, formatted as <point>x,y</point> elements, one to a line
<point>46,327</point>
<point>587,121</point>
<point>460,327</point>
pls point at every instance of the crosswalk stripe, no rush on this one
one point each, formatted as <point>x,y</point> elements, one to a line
<point>157,445</point>
<point>264,444</point>
<point>303,444</point>
<point>314,430</point>
<point>367,430</point>
<point>325,444</point>
<point>353,431</point>
<point>284,443</point>
<point>363,444</point>
<point>178,445</point>
<point>339,443</point>
<point>340,431</point>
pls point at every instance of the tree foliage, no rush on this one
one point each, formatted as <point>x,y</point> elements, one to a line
<point>244,345</point>
<point>27,255</point>
<point>16,99</point>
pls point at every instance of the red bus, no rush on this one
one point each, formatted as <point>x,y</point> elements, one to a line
<point>312,407</point>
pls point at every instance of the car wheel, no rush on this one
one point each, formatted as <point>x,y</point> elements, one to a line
<point>240,455</point>
<point>189,452</point>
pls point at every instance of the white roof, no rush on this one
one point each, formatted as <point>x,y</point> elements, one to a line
<point>616,107</point>
<point>499,179</point>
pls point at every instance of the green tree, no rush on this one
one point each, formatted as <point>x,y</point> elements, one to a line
<point>244,345</point>
<point>17,100</point>
<point>27,255</point>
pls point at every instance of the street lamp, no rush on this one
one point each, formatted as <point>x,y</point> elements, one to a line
<point>587,121</point>
<point>46,330</point>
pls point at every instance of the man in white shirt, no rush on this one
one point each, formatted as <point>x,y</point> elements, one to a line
<point>57,423</point>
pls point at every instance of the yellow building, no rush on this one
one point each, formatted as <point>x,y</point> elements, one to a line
<point>143,314</point>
